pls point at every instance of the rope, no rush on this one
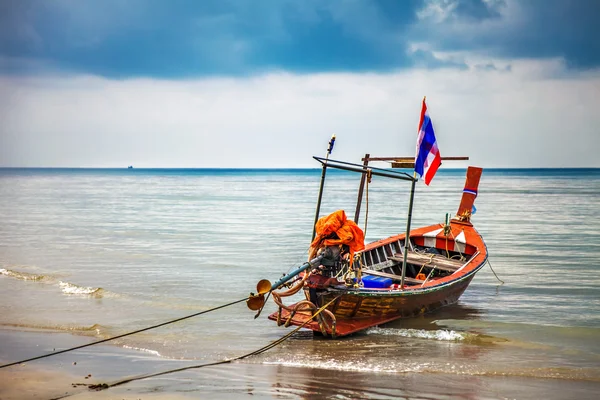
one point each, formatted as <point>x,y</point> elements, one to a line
<point>103,386</point>
<point>342,270</point>
<point>490,264</point>
<point>462,257</point>
<point>123,335</point>
<point>431,255</point>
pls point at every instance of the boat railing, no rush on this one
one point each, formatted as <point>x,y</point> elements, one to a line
<point>347,166</point>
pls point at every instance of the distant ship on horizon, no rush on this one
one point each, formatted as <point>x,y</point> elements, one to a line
<point>130,167</point>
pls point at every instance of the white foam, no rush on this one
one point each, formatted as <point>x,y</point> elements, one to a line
<point>20,275</point>
<point>441,334</point>
<point>352,366</point>
<point>70,288</point>
<point>153,352</point>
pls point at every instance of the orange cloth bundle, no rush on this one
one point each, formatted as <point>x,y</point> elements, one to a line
<point>347,231</point>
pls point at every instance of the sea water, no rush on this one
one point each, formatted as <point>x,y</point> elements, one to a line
<point>99,253</point>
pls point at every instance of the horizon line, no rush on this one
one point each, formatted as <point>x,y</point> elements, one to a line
<point>268,168</point>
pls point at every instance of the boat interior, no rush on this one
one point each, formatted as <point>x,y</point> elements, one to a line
<point>382,265</point>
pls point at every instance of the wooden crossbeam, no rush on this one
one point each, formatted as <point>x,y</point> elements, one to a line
<point>406,159</point>
<point>407,162</point>
<point>392,276</point>
<point>429,261</point>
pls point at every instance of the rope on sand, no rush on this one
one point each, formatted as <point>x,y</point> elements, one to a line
<point>103,386</point>
<point>123,335</point>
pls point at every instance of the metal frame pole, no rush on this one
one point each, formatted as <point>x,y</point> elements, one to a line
<point>361,189</point>
<point>407,236</point>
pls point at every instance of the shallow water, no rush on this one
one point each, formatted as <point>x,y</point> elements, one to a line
<point>102,252</point>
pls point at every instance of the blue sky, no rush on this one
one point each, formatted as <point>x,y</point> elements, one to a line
<point>163,83</point>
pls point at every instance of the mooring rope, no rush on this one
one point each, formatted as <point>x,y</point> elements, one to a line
<point>490,264</point>
<point>123,335</point>
<point>103,386</point>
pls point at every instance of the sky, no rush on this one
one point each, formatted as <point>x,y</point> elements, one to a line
<point>265,83</point>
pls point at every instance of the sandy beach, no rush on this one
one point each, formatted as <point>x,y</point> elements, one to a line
<point>267,382</point>
<point>68,376</point>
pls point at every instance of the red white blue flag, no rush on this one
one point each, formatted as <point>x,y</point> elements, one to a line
<point>428,159</point>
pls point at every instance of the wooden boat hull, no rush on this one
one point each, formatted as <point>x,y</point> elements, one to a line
<point>361,310</point>
<point>393,305</point>
<point>356,309</point>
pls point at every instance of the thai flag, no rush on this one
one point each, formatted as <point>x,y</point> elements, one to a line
<point>428,158</point>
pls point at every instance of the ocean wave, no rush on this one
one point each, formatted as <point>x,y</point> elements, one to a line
<point>153,352</point>
<point>21,275</point>
<point>70,288</point>
<point>83,330</point>
<point>440,334</point>
<point>577,374</point>
<point>66,287</point>
<point>406,366</point>
<point>538,327</point>
<point>341,366</point>
<point>360,365</point>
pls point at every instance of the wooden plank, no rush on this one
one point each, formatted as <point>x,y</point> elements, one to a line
<point>440,262</point>
<point>396,164</point>
<point>392,276</point>
<point>398,245</point>
<point>368,258</point>
<point>389,251</point>
<point>381,253</point>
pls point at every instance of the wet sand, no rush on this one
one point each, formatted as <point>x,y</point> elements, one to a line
<point>67,376</point>
<point>267,382</point>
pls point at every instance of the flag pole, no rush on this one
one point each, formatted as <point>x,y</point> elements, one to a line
<point>408,221</point>
<point>407,236</point>
<point>329,149</point>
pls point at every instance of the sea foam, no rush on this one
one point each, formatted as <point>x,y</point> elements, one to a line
<point>440,334</point>
<point>21,275</point>
<point>70,288</point>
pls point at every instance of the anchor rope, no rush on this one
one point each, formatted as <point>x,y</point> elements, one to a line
<point>103,386</point>
<point>490,264</point>
<point>123,335</point>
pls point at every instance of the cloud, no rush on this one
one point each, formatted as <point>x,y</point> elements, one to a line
<point>525,117</point>
<point>189,38</point>
<point>186,39</point>
<point>511,29</point>
<point>456,10</point>
<point>490,66</point>
<point>265,83</point>
<point>424,58</point>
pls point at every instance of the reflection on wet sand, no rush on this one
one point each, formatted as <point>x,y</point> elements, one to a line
<point>309,384</point>
<point>453,311</point>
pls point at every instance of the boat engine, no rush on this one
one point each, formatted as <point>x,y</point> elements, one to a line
<point>333,260</point>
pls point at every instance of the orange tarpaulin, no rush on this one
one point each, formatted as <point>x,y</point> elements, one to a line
<point>347,231</point>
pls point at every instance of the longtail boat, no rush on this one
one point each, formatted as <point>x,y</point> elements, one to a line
<point>350,287</point>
